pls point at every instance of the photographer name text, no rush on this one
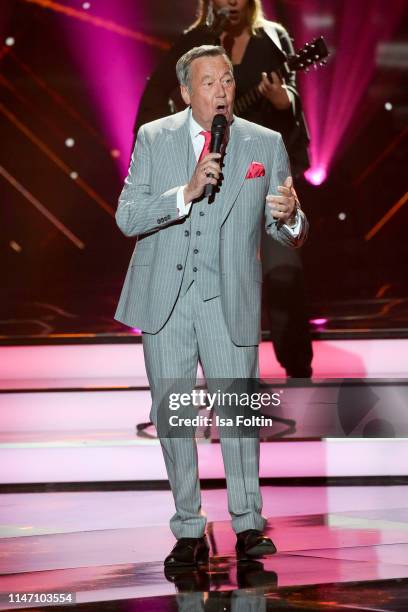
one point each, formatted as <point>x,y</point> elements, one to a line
<point>239,420</point>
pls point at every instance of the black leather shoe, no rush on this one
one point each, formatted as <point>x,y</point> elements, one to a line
<point>252,543</point>
<point>188,579</point>
<point>188,552</point>
<point>252,574</point>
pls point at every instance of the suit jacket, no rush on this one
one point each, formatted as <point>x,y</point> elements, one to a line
<point>147,209</point>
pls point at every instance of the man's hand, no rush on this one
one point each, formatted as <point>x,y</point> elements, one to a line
<point>283,207</point>
<point>208,165</point>
<point>275,92</point>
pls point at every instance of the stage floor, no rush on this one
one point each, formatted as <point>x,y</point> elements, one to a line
<point>339,547</point>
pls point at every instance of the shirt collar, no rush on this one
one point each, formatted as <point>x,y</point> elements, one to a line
<point>195,128</point>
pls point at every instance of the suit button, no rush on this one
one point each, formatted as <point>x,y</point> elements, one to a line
<point>194,269</point>
<point>186,233</point>
<point>158,220</point>
<point>202,213</point>
<point>195,251</point>
<point>198,233</point>
<point>179,267</point>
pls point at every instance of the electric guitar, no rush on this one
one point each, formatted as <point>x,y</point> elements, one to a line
<point>311,54</point>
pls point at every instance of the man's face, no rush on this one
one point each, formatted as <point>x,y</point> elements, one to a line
<point>212,89</point>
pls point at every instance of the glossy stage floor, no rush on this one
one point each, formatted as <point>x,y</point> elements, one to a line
<point>84,504</point>
<point>339,547</point>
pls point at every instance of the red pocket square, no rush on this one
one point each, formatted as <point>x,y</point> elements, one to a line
<point>255,169</point>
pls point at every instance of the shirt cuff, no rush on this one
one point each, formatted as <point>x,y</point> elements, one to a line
<point>295,229</point>
<point>182,208</point>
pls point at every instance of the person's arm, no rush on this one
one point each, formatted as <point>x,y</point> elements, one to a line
<point>139,210</point>
<point>299,138</point>
<point>294,232</point>
<point>295,132</point>
<point>290,81</point>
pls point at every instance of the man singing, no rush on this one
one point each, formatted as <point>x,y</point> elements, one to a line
<point>193,285</point>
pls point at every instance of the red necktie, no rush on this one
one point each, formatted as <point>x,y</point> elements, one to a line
<point>206,147</point>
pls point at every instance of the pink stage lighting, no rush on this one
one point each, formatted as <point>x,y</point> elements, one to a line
<point>316,176</point>
<point>114,68</point>
<point>318,322</point>
<point>332,96</point>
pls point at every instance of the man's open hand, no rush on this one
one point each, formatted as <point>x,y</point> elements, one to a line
<point>283,207</point>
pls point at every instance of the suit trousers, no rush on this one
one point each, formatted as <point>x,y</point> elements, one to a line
<point>196,330</point>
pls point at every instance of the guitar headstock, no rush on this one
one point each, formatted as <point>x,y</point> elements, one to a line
<point>310,54</point>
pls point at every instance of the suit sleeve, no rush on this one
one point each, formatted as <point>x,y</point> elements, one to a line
<point>280,171</point>
<point>139,210</point>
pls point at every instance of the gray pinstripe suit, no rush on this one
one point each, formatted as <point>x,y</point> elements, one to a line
<point>217,317</point>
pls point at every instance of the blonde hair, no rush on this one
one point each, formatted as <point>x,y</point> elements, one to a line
<point>255,14</point>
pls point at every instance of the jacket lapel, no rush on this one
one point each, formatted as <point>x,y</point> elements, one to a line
<point>177,142</point>
<point>238,156</point>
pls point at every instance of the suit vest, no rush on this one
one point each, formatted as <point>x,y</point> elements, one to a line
<point>202,265</point>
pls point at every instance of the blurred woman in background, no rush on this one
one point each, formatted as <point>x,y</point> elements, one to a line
<point>255,47</point>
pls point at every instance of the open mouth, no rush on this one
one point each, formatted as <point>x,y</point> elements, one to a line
<point>221,108</point>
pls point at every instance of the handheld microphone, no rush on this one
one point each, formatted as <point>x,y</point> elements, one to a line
<point>218,127</point>
<point>221,17</point>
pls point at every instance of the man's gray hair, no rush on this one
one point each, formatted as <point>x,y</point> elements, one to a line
<point>183,65</point>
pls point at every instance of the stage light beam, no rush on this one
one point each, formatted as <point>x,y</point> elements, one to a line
<point>316,175</point>
<point>332,96</point>
<point>388,215</point>
<point>41,208</point>
<point>99,22</point>
<point>57,160</point>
